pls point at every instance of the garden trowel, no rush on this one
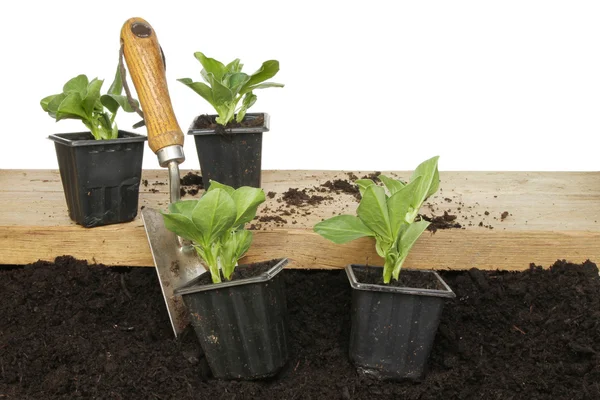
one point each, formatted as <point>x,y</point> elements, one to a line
<point>175,259</point>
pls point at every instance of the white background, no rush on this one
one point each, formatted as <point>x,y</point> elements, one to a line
<point>370,85</point>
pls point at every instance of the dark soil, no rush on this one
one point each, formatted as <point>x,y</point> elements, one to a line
<point>69,330</point>
<point>374,176</point>
<point>342,186</point>
<point>296,197</point>
<point>407,279</point>
<point>191,184</point>
<point>209,122</point>
<point>446,221</point>
<point>192,178</point>
<point>272,218</point>
<point>242,272</point>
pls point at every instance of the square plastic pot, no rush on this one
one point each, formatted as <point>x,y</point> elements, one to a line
<point>234,159</point>
<point>242,325</point>
<point>100,178</point>
<point>393,328</point>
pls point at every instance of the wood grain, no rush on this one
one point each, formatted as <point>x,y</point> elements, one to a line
<point>552,215</point>
<point>147,70</point>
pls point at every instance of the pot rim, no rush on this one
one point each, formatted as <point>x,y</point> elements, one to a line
<point>191,287</point>
<point>65,139</point>
<point>254,129</point>
<point>447,292</point>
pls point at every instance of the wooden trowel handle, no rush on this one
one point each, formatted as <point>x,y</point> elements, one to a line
<point>146,67</point>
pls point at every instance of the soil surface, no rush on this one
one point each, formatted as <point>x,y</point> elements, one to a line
<point>242,272</point>
<point>407,279</point>
<point>69,330</point>
<point>209,122</point>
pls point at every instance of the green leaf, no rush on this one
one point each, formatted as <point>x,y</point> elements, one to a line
<point>208,78</point>
<point>115,131</point>
<point>247,199</point>
<point>78,84</point>
<point>268,70</point>
<point>216,185</point>
<point>211,65</point>
<point>373,211</point>
<point>71,108</point>
<point>247,88</point>
<point>54,103</point>
<point>46,101</point>
<point>234,66</point>
<point>236,81</point>
<point>430,182</point>
<point>116,87</point>
<point>183,207</point>
<point>392,185</point>
<point>249,100</point>
<point>113,101</point>
<point>400,204</point>
<point>182,226</point>
<point>363,184</point>
<point>243,242</point>
<point>342,229</point>
<point>435,183</point>
<point>201,88</point>
<point>410,236</point>
<point>381,246</point>
<point>92,96</point>
<point>221,93</point>
<point>214,214</point>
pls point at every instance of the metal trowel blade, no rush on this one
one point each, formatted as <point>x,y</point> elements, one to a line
<point>175,265</point>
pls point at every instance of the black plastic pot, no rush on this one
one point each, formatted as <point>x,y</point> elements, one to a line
<point>242,325</point>
<point>100,178</point>
<point>393,328</point>
<point>234,158</point>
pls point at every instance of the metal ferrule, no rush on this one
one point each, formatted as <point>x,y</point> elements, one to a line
<point>170,153</point>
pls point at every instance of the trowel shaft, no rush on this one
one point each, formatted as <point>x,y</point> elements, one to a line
<point>174,181</point>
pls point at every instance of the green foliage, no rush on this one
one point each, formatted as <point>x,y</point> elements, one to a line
<point>388,216</point>
<point>81,99</point>
<point>215,225</point>
<point>226,85</point>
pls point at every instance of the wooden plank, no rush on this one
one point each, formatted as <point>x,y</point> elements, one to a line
<point>554,215</point>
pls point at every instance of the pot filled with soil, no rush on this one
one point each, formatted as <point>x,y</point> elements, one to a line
<point>229,143</point>
<point>230,154</point>
<point>241,324</point>
<point>394,316</point>
<point>101,168</point>
<point>100,178</point>
<point>394,325</point>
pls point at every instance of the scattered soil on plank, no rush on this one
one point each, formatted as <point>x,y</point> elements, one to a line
<point>446,221</point>
<point>342,186</point>
<point>70,330</point>
<point>374,176</point>
<point>192,178</point>
<point>191,184</point>
<point>299,198</point>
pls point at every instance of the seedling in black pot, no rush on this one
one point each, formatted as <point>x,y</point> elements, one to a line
<point>241,323</point>
<point>100,169</point>
<point>229,144</point>
<point>393,326</point>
